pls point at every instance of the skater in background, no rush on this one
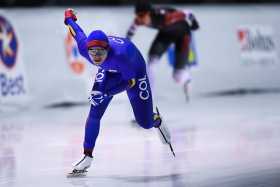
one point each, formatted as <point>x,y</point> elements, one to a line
<point>174,27</point>
<point>121,67</point>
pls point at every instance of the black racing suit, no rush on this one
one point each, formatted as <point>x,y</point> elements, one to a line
<point>173,26</point>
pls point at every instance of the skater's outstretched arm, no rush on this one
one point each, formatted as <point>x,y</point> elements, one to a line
<point>76,31</point>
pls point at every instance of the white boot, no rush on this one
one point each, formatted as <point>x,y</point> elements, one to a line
<point>81,167</point>
<point>83,164</point>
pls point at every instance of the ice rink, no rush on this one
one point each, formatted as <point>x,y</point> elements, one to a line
<point>228,135</point>
<point>225,141</point>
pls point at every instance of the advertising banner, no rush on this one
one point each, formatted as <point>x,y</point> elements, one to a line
<point>12,76</point>
<point>257,44</point>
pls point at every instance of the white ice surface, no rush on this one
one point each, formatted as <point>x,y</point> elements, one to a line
<point>219,141</point>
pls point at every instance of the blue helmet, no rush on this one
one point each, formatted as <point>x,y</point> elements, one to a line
<point>97,38</point>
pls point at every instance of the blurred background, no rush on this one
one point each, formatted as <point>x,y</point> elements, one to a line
<point>226,135</point>
<point>244,59</point>
<point>12,3</point>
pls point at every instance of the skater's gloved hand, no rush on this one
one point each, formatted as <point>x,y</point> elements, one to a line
<point>191,17</point>
<point>129,35</point>
<point>69,14</point>
<point>97,97</point>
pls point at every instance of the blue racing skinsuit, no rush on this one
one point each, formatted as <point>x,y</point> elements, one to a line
<point>123,69</point>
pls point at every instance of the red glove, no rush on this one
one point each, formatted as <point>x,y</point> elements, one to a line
<point>69,13</point>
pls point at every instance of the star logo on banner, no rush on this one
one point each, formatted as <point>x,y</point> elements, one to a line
<point>8,44</point>
<point>6,39</point>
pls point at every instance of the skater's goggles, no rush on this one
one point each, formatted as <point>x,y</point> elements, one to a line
<point>97,51</point>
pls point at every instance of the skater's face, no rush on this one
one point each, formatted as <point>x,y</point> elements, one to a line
<point>98,54</point>
<point>143,18</point>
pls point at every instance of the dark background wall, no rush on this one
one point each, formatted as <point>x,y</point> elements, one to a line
<point>12,3</point>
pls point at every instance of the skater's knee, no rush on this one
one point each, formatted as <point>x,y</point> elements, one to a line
<point>145,124</point>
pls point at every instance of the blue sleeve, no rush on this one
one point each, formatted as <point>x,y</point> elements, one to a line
<point>79,36</point>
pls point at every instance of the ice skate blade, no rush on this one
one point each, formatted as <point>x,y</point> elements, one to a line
<point>76,173</point>
<point>163,138</point>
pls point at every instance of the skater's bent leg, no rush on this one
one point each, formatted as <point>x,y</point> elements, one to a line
<point>93,125</point>
<point>182,51</point>
<point>91,132</point>
<point>140,97</point>
<point>158,47</point>
<point>151,67</point>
